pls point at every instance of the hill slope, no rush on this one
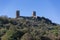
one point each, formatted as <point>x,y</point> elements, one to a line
<point>28,28</point>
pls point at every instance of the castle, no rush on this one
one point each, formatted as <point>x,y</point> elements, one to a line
<point>18,14</point>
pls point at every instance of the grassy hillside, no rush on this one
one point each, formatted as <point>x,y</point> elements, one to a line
<point>28,28</point>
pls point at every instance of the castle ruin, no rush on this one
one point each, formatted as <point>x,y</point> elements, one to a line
<point>34,14</point>
<point>18,14</point>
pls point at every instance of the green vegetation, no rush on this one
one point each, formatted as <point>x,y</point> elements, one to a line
<point>28,28</point>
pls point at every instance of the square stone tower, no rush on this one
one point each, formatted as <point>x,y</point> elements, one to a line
<point>17,14</point>
<point>34,14</point>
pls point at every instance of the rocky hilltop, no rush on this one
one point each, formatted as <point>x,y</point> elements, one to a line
<point>28,28</point>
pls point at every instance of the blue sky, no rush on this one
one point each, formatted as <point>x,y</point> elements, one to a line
<point>47,8</point>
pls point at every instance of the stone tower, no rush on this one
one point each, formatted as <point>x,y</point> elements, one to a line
<point>17,14</point>
<point>34,14</point>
